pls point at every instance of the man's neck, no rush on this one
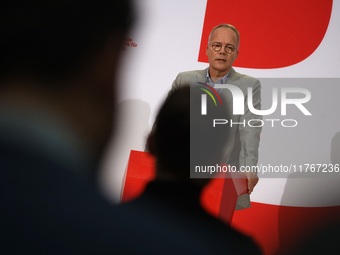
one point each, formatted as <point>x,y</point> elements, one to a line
<point>215,75</point>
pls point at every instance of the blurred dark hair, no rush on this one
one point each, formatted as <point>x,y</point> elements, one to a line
<point>183,136</point>
<point>52,39</point>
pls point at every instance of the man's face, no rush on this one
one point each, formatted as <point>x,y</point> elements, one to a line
<point>220,60</point>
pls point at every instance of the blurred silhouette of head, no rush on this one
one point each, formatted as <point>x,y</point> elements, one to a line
<point>54,40</point>
<point>183,137</point>
<point>63,56</point>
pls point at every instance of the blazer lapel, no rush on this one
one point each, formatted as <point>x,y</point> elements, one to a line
<point>201,76</point>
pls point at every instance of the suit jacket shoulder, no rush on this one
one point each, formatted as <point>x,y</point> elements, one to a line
<point>199,76</point>
<point>188,78</point>
<point>235,76</point>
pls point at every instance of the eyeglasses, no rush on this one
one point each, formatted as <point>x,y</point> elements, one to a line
<point>229,48</point>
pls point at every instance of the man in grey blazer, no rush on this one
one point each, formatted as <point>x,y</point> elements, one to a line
<point>242,149</point>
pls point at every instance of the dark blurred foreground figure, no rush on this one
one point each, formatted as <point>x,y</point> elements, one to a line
<point>323,241</point>
<point>170,209</point>
<point>58,69</point>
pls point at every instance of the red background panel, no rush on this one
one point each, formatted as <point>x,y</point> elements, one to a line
<point>273,34</point>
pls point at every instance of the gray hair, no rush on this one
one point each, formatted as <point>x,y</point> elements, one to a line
<point>229,26</point>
